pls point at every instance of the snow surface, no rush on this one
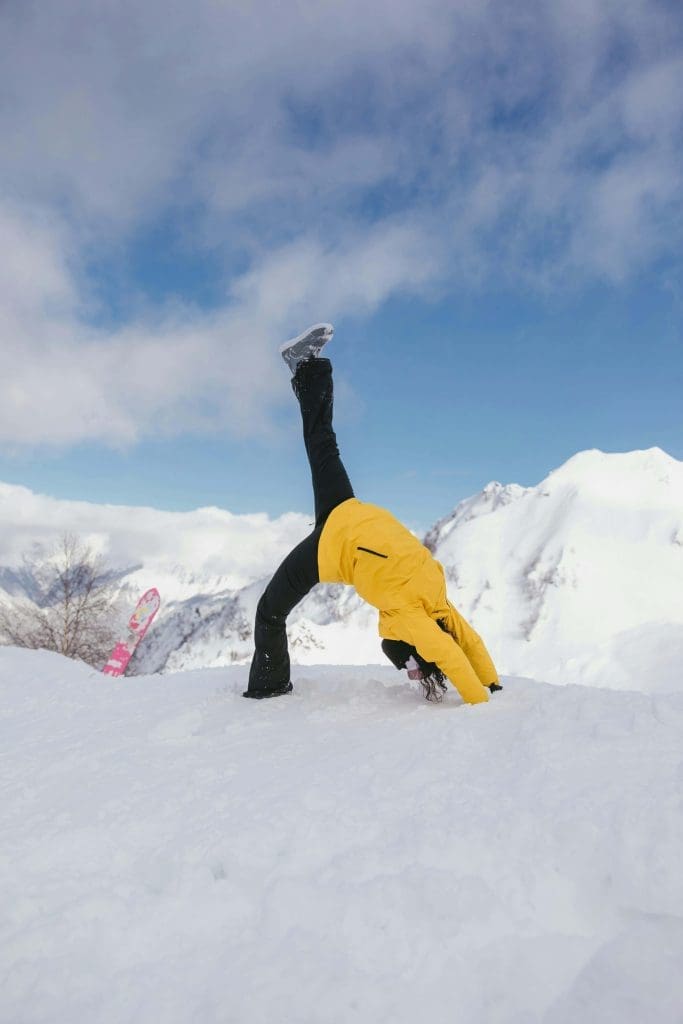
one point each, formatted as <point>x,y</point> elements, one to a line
<point>174,853</point>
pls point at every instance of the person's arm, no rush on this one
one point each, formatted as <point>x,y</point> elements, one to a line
<point>414,626</point>
<point>473,646</point>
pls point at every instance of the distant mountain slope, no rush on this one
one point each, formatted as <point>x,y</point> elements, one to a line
<point>577,579</point>
<point>559,576</point>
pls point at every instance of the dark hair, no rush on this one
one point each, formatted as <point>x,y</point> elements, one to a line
<point>433,681</point>
<point>434,685</point>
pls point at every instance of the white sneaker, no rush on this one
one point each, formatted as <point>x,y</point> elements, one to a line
<point>307,345</point>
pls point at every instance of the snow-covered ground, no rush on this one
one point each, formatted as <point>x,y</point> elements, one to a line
<point>173,853</point>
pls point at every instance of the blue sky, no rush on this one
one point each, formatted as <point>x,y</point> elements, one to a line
<point>486,201</point>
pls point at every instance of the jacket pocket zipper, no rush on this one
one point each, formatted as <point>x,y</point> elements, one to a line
<point>371,552</point>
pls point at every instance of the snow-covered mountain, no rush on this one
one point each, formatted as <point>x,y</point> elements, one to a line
<point>579,579</point>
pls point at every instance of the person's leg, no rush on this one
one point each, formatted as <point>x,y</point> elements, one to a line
<point>312,384</point>
<point>269,672</point>
<point>270,666</point>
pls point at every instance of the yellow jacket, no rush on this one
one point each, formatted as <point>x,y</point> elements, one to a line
<point>366,547</point>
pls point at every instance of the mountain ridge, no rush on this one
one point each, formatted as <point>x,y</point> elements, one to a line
<point>549,574</point>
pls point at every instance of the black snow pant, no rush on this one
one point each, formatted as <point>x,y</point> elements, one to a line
<point>298,573</point>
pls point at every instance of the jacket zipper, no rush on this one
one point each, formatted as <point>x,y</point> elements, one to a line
<point>371,552</point>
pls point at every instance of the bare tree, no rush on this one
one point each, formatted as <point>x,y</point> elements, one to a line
<point>73,609</point>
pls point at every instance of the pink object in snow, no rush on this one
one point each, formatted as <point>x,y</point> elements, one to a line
<point>139,623</point>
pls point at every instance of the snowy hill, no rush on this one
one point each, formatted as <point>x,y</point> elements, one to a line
<point>579,579</point>
<point>175,853</point>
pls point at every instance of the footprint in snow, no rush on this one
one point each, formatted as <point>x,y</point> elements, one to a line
<point>179,729</point>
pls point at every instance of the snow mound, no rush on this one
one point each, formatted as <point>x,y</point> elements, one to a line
<point>173,852</point>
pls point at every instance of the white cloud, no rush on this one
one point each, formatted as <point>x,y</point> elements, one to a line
<point>183,552</point>
<point>343,151</point>
<point>65,382</point>
<point>34,273</point>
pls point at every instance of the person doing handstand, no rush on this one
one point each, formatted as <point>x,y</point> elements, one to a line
<point>366,547</point>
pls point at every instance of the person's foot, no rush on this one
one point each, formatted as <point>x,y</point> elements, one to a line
<point>306,346</point>
<point>260,694</point>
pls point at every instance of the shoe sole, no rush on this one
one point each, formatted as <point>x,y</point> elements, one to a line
<point>318,333</point>
<point>265,694</point>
